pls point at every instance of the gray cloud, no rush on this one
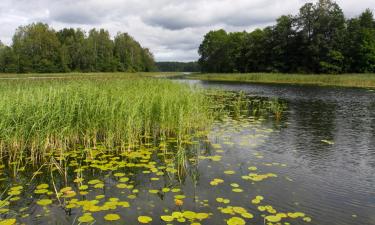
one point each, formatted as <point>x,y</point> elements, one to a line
<point>172,29</point>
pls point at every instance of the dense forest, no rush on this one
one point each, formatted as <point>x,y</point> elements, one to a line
<point>38,48</point>
<point>317,40</point>
<point>178,66</point>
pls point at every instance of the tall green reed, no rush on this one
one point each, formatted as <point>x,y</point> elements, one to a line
<point>41,118</point>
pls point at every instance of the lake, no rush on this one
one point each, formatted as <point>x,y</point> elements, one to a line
<point>315,164</point>
<point>332,182</point>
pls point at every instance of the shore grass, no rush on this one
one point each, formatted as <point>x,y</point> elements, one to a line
<point>344,80</point>
<point>73,75</point>
<point>40,117</point>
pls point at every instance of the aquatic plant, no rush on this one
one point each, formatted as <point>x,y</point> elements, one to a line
<point>42,118</point>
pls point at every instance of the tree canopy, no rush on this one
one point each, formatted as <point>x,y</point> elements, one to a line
<point>178,66</point>
<point>38,48</point>
<point>319,39</point>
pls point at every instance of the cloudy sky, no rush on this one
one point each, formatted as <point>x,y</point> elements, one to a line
<point>172,29</point>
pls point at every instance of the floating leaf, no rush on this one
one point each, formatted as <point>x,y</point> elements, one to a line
<point>167,218</point>
<point>328,142</point>
<point>229,172</point>
<point>111,217</point>
<point>41,191</point>
<point>92,182</point>
<point>121,186</point>
<point>42,186</point>
<point>273,219</point>
<point>119,174</point>
<point>124,179</point>
<point>252,168</point>
<point>44,202</point>
<point>190,215</point>
<point>144,219</point>
<point>201,216</point>
<point>86,218</point>
<point>83,187</point>
<point>8,222</point>
<point>236,221</point>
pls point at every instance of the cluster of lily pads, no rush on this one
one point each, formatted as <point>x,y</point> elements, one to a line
<point>80,183</point>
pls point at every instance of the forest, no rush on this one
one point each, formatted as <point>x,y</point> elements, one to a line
<point>37,48</point>
<point>319,39</point>
<point>178,66</point>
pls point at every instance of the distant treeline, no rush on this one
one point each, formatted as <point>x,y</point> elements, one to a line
<point>38,48</point>
<point>317,40</point>
<point>178,66</point>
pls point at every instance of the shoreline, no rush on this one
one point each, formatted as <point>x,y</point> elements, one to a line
<point>366,81</point>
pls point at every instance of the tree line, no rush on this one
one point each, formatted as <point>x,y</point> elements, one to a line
<point>178,66</point>
<point>319,39</point>
<point>40,49</point>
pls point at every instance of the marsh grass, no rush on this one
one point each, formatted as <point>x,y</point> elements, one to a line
<point>344,80</point>
<point>74,75</point>
<point>40,118</point>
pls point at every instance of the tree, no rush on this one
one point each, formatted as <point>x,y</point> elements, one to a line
<point>178,66</point>
<point>148,60</point>
<point>100,50</point>
<point>212,51</point>
<point>317,40</point>
<point>285,55</point>
<point>256,51</point>
<point>360,43</point>
<point>321,28</point>
<point>37,49</point>
<point>72,43</point>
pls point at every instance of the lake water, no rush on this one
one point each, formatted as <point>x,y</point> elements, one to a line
<point>317,162</point>
<point>335,184</point>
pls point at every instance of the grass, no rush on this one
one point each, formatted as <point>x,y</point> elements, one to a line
<point>40,117</point>
<point>73,75</point>
<point>345,80</point>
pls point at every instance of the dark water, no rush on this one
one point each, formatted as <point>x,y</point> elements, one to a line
<point>318,159</point>
<point>335,184</point>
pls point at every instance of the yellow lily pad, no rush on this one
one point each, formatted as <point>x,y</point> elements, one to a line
<point>112,217</point>
<point>8,222</point>
<point>44,202</point>
<point>144,219</point>
<point>236,221</point>
<point>167,218</point>
<point>86,218</point>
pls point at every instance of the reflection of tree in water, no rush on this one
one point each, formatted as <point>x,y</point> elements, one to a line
<point>371,149</point>
<point>315,121</point>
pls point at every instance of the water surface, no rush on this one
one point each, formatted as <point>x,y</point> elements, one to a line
<point>317,160</point>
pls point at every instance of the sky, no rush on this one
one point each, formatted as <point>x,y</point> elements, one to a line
<point>171,29</point>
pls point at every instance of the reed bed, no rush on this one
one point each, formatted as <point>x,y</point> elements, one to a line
<point>343,80</point>
<point>39,118</point>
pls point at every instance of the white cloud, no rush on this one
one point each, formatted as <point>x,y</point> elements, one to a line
<point>172,29</point>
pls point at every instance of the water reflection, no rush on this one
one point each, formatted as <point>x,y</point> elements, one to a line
<point>337,181</point>
<point>247,154</point>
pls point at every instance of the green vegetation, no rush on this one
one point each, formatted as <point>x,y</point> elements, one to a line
<point>42,117</point>
<point>317,40</point>
<point>344,80</point>
<point>96,75</point>
<point>40,49</point>
<point>96,145</point>
<point>178,66</point>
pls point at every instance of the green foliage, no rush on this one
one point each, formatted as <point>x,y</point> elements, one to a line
<point>39,117</point>
<point>38,48</point>
<point>178,66</point>
<point>343,80</point>
<point>317,40</point>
